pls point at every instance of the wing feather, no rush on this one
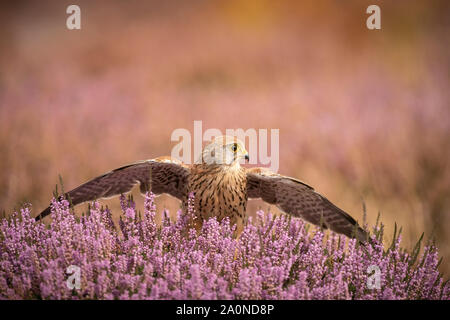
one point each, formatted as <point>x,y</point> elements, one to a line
<point>300,200</point>
<point>163,175</point>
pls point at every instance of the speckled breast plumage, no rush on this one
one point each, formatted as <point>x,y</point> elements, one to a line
<point>218,193</point>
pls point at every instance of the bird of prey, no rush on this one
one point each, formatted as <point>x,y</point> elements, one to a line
<point>221,188</point>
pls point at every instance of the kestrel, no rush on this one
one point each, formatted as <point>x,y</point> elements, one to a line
<point>221,188</point>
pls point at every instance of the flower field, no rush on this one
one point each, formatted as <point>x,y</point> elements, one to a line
<point>363,117</point>
<point>274,258</point>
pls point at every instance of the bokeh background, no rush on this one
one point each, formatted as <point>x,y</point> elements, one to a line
<point>363,115</point>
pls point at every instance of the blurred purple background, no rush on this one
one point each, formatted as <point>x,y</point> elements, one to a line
<point>362,114</point>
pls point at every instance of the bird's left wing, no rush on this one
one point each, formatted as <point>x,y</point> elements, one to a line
<point>300,200</point>
<point>162,175</point>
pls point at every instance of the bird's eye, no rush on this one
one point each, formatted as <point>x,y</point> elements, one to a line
<point>234,147</point>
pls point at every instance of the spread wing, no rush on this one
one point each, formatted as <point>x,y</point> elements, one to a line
<point>300,200</point>
<point>163,175</point>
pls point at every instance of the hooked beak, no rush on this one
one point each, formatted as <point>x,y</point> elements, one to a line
<point>247,158</point>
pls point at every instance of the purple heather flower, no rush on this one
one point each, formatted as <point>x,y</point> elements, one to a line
<point>275,257</point>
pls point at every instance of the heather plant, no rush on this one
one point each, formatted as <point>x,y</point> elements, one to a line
<point>275,257</point>
<point>360,113</point>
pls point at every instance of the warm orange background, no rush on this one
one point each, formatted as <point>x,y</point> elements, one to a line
<point>362,114</point>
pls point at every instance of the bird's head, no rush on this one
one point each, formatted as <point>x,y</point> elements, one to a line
<point>225,150</point>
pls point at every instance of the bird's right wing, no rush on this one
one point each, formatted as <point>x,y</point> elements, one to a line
<point>161,175</point>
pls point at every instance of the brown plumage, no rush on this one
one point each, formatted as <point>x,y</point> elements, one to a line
<point>221,188</point>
